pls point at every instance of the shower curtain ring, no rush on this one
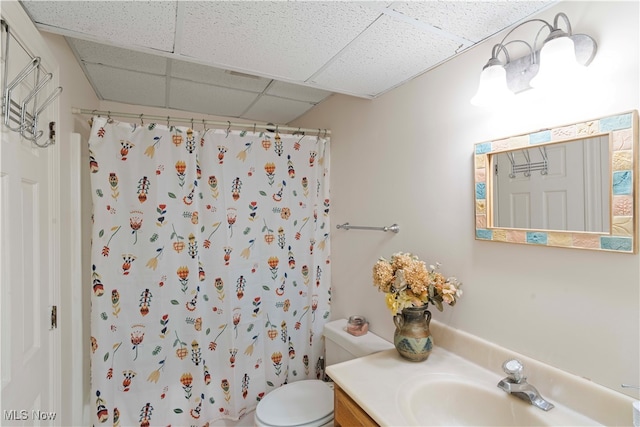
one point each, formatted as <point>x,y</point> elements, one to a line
<point>228,128</point>
<point>141,121</point>
<point>192,124</point>
<point>254,128</point>
<point>168,117</point>
<point>204,126</point>
<point>90,121</point>
<point>109,119</point>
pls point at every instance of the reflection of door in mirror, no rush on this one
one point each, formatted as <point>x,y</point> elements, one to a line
<point>562,186</point>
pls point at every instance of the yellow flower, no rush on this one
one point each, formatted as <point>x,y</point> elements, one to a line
<point>246,252</point>
<point>150,151</point>
<point>153,263</point>
<point>154,376</point>
<point>397,302</point>
<point>392,303</point>
<point>249,350</point>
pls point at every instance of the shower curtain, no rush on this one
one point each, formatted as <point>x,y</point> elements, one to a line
<point>210,269</point>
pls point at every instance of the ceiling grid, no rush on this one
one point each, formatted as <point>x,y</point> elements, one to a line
<point>191,55</point>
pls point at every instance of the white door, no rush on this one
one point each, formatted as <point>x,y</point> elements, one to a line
<point>560,199</point>
<point>551,201</point>
<point>29,258</point>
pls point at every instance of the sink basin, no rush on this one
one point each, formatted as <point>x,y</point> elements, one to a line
<point>448,389</point>
<point>452,400</point>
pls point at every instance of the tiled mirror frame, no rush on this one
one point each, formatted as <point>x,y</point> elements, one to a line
<point>623,150</point>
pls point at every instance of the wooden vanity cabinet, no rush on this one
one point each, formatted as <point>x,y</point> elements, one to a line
<point>347,413</point>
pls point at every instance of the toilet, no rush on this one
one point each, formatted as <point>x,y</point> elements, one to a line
<point>309,403</point>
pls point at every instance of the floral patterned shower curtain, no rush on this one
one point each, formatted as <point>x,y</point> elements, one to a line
<point>210,275</point>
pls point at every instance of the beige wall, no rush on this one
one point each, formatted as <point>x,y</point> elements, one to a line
<point>407,156</point>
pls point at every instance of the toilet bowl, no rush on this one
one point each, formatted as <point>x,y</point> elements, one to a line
<point>309,403</point>
<point>302,403</point>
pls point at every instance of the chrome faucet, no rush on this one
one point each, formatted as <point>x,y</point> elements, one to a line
<point>516,384</point>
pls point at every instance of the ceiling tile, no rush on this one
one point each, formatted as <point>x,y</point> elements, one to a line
<point>146,24</point>
<point>473,20</point>
<point>297,92</point>
<point>271,109</point>
<point>216,76</point>
<point>96,53</point>
<point>130,87</point>
<point>208,99</point>
<point>360,48</point>
<point>389,53</point>
<point>288,40</point>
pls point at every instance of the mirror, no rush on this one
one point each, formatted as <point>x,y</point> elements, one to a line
<point>571,186</point>
<point>562,186</point>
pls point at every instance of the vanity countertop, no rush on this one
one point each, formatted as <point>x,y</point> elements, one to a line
<point>381,384</point>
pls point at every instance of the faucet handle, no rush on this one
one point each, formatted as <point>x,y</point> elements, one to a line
<point>514,369</point>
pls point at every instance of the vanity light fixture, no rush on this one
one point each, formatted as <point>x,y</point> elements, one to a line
<point>562,57</point>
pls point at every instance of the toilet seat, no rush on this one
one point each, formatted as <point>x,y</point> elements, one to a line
<point>302,403</point>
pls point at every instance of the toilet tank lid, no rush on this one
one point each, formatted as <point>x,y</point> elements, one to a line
<point>360,346</point>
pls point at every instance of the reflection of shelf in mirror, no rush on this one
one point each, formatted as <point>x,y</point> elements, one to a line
<point>572,195</point>
<point>529,166</point>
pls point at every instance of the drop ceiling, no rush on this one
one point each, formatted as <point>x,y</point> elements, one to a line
<point>268,61</point>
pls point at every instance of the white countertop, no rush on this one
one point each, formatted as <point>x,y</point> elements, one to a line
<point>380,382</point>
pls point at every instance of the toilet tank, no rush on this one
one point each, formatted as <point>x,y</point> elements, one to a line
<point>341,346</point>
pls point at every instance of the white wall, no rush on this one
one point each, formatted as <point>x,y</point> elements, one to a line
<point>407,157</point>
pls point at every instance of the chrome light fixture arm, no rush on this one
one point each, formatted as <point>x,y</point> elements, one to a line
<point>556,31</point>
<point>521,71</point>
<point>545,24</point>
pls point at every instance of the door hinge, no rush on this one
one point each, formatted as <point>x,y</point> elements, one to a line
<point>54,317</point>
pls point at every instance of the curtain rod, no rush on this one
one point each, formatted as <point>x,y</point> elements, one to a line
<point>262,126</point>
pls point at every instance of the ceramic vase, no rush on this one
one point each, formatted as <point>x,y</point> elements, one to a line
<point>412,337</point>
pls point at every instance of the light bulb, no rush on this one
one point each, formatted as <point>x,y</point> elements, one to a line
<point>558,64</point>
<point>493,87</point>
